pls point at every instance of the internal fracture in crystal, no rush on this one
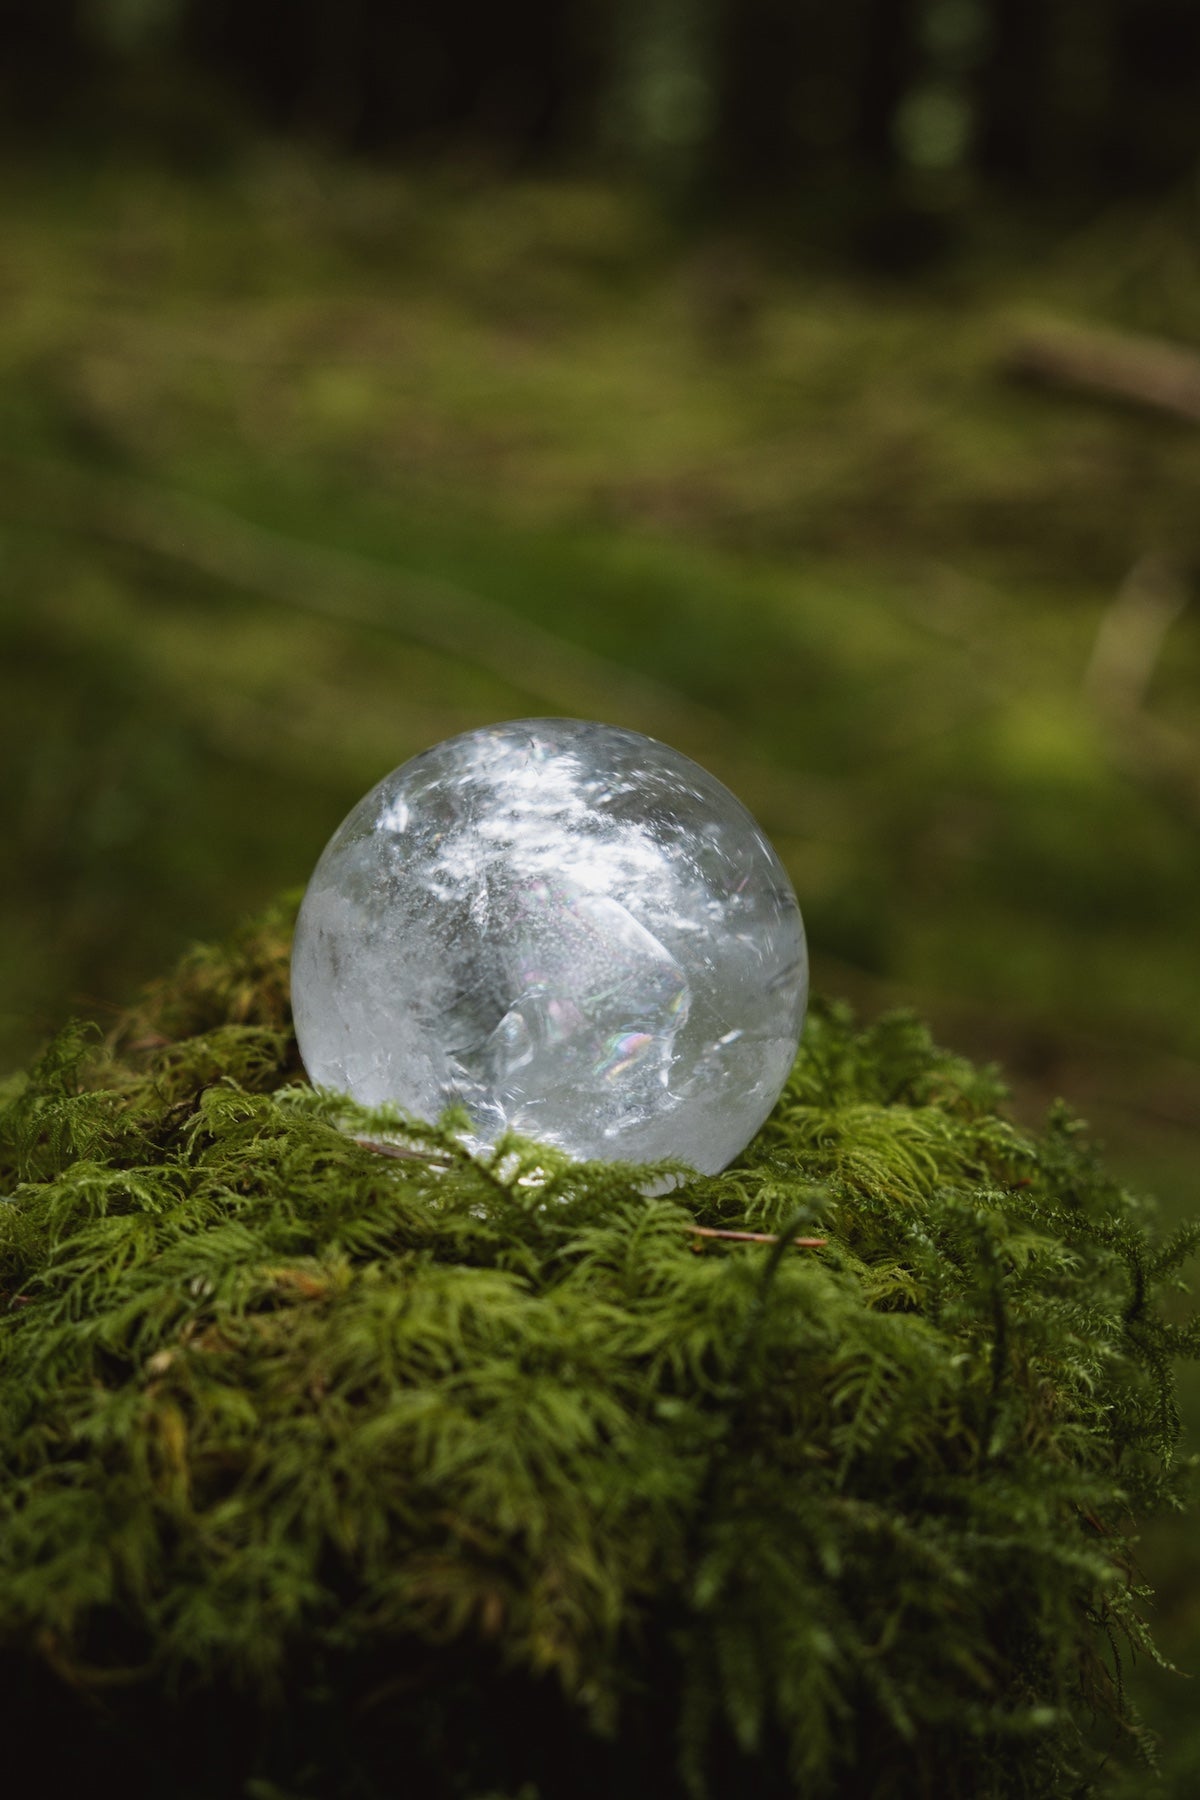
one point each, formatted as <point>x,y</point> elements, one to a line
<point>566,929</point>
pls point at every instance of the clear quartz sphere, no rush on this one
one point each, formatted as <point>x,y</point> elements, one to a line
<point>567,929</point>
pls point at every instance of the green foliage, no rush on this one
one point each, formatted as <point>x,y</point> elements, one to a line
<point>310,466</point>
<point>324,1463</point>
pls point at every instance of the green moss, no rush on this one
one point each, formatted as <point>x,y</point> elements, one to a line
<point>331,1472</point>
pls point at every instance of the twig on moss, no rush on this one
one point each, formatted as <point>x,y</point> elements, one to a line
<point>404,1152</point>
<point>756,1237</point>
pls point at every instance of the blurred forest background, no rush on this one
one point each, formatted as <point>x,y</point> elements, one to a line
<point>814,386</point>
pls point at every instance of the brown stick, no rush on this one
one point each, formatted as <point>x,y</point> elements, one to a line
<point>1144,371</point>
<point>1132,631</point>
<point>402,1153</point>
<point>755,1237</point>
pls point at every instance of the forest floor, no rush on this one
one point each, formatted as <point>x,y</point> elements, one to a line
<point>307,468</point>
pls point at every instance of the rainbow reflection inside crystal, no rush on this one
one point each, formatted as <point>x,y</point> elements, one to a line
<point>567,929</point>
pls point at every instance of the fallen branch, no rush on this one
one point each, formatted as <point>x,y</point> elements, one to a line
<point>1142,371</point>
<point>1132,632</point>
<point>1126,652</point>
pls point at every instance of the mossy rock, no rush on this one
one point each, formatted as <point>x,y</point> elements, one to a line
<point>338,1473</point>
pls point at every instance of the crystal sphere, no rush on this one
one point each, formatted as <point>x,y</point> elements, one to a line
<point>567,929</point>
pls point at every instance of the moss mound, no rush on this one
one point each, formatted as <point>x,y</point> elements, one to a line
<point>331,1472</point>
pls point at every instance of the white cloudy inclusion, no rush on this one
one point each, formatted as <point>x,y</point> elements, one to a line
<point>567,929</point>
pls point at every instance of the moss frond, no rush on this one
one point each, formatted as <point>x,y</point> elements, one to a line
<point>500,1460</point>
